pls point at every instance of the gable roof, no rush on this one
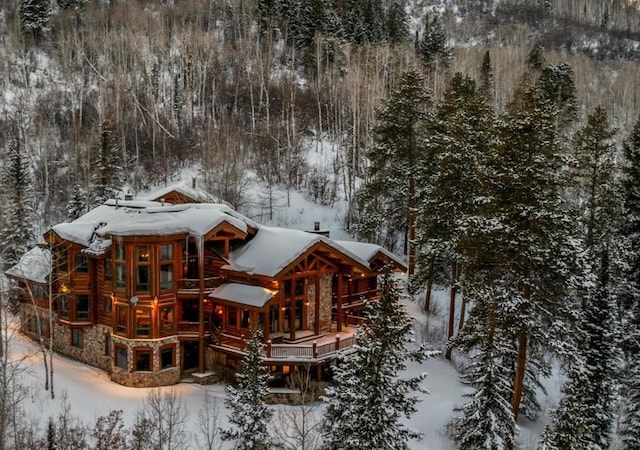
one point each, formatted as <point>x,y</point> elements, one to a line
<point>194,194</point>
<point>372,252</point>
<point>95,229</point>
<point>273,249</point>
<point>35,265</point>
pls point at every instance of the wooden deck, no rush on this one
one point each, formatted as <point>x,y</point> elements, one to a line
<point>324,348</point>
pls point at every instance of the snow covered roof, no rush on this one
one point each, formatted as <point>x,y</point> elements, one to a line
<point>273,249</point>
<point>194,193</point>
<point>35,265</point>
<point>368,251</point>
<point>142,218</point>
<point>245,294</point>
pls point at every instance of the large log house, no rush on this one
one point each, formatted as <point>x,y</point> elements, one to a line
<point>150,291</point>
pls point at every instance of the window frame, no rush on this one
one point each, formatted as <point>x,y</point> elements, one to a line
<point>139,310</point>
<point>77,317</point>
<point>77,337</point>
<point>116,353</point>
<point>142,265</point>
<point>120,267</point>
<point>81,264</point>
<point>164,329</point>
<point>164,348</point>
<point>121,327</point>
<point>137,351</point>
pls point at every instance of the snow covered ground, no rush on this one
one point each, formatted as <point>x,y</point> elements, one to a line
<point>91,394</point>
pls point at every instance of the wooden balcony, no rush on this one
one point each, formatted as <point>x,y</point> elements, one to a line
<point>192,285</point>
<point>319,350</point>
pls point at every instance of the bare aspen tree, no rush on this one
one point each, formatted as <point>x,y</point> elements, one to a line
<point>163,416</point>
<point>297,427</point>
<point>209,421</point>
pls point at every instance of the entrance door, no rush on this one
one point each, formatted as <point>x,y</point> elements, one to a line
<point>190,356</point>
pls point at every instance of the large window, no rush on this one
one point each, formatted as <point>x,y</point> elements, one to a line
<point>232,316</point>
<point>64,306</point>
<point>108,269</point>
<point>143,271</point>
<point>274,318</point>
<point>245,318</point>
<point>142,359</point>
<point>82,307</point>
<point>122,313</point>
<point>166,267</point>
<point>120,267</point>
<point>143,322</point>
<point>167,357</point>
<point>82,263</point>
<point>167,321</point>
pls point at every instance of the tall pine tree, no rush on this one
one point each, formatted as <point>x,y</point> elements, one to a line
<point>249,415</point>
<point>522,230</point>
<point>18,231</point>
<point>486,420</point>
<point>106,180</point>
<point>368,397</point>
<point>387,201</point>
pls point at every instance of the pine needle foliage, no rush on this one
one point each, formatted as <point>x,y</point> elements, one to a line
<point>17,233</point>
<point>486,420</point>
<point>249,414</point>
<point>368,397</point>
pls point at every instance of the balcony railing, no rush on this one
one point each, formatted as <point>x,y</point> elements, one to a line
<point>193,284</point>
<point>188,327</point>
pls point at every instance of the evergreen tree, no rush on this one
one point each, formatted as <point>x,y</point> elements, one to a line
<point>397,24</point>
<point>486,420</point>
<point>487,83</point>
<point>584,417</point>
<point>631,231</point>
<point>76,206</point>
<point>629,290</point>
<point>522,231</point>
<point>17,233</point>
<point>400,155</point>
<point>535,59</point>
<point>558,85</point>
<point>249,415</point>
<point>432,47</point>
<point>106,169</point>
<point>34,17</point>
<point>462,137</point>
<point>368,398</point>
<point>630,429</point>
<point>599,197</point>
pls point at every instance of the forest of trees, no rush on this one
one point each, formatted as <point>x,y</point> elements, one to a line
<point>496,144</point>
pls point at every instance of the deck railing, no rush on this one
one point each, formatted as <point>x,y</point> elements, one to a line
<point>294,351</point>
<point>191,284</point>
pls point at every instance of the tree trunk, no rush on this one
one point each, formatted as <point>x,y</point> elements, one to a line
<point>519,375</point>
<point>411,226</point>
<point>452,304</point>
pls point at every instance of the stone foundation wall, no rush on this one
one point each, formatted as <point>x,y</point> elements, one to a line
<point>325,302</point>
<point>311,308</point>
<point>154,377</point>
<point>92,351</point>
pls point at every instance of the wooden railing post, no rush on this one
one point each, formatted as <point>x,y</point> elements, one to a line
<point>268,348</point>
<point>315,349</point>
<point>337,342</point>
